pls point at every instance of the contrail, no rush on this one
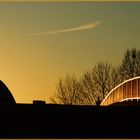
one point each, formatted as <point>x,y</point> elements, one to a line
<point>78,28</point>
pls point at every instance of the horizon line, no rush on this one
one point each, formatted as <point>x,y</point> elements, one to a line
<point>116,1</point>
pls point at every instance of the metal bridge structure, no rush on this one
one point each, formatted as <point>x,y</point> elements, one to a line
<point>127,90</point>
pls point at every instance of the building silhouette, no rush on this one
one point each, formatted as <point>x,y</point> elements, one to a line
<point>6,97</point>
<point>40,120</point>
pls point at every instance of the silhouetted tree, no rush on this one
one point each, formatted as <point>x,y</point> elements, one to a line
<point>130,66</point>
<point>115,77</point>
<point>101,75</point>
<point>68,91</point>
<point>88,87</point>
<point>95,84</point>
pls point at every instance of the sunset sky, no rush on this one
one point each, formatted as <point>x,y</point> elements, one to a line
<point>42,42</point>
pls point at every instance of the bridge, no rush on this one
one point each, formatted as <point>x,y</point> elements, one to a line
<point>128,90</point>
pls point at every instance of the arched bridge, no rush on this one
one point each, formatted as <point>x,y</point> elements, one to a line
<point>128,90</point>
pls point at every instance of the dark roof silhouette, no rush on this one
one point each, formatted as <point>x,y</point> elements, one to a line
<point>6,97</point>
<point>40,120</point>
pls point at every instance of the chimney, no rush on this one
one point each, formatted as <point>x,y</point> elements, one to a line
<point>39,102</point>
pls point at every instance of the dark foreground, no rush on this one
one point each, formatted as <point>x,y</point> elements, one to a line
<point>61,121</point>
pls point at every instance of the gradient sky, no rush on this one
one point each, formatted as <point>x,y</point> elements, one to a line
<point>42,42</point>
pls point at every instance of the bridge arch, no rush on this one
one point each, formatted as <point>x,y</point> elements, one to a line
<point>127,90</point>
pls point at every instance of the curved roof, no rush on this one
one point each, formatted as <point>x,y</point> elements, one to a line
<point>129,89</point>
<point>6,97</point>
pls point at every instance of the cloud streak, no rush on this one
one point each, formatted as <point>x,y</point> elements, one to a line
<point>78,28</point>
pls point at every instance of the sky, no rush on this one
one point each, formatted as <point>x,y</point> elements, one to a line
<point>42,42</point>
